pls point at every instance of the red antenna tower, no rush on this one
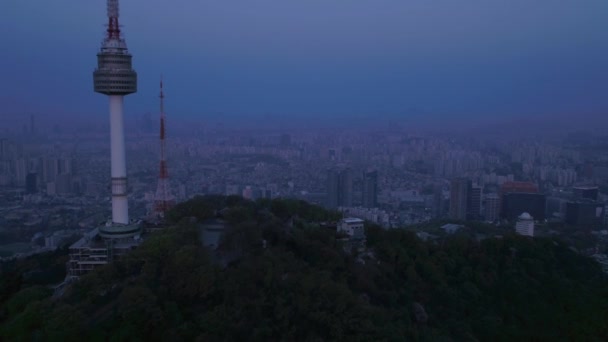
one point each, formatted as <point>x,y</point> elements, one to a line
<point>164,200</point>
<point>113,26</point>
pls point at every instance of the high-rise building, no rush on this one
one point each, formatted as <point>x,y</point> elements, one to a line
<point>50,169</point>
<point>555,207</point>
<point>333,188</point>
<point>584,213</point>
<point>66,166</point>
<point>346,188</point>
<point>586,192</point>
<point>370,189</point>
<point>31,183</point>
<point>519,197</point>
<point>440,202</point>
<point>51,189</point>
<point>339,188</point>
<point>21,171</point>
<point>525,225</point>
<point>459,188</point>
<point>473,202</point>
<point>63,184</point>
<point>513,204</point>
<point>492,207</point>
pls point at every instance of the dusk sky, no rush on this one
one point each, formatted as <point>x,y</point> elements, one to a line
<point>297,58</point>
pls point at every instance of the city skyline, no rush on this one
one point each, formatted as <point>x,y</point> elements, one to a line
<point>401,170</point>
<point>326,60</point>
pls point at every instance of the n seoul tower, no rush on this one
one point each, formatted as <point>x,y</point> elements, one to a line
<point>115,78</point>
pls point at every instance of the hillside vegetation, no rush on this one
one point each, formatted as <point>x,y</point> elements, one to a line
<point>279,275</point>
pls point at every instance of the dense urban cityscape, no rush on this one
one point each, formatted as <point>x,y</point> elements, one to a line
<point>369,180</point>
<point>55,181</point>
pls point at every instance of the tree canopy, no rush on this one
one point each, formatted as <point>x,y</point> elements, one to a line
<point>280,275</point>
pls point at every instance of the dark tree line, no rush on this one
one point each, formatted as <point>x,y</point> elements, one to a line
<point>288,279</point>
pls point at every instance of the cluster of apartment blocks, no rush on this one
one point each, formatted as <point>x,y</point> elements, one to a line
<point>45,174</point>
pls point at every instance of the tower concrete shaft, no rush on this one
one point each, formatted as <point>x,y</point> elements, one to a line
<point>163,199</point>
<point>115,77</point>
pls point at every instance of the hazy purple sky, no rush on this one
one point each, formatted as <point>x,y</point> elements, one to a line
<point>332,58</point>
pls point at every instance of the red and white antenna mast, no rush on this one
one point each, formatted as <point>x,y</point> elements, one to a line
<point>113,26</point>
<point>163,200</point>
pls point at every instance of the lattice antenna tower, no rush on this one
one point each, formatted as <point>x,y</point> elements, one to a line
<point>164,200</point>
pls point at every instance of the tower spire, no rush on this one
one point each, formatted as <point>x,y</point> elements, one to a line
<point>113,26</point>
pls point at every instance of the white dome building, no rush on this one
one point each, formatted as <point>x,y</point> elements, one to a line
<point>525,225</point>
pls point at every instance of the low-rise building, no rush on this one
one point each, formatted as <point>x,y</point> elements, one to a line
<point>100,246</point>
<point>451,228</point>
<point>525,225</point>
<point>353,227</point>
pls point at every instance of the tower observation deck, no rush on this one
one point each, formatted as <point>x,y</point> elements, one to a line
<point>116,78</point>
<point>114,74</point>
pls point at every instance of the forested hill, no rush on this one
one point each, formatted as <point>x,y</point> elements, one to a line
<point>279,275</point>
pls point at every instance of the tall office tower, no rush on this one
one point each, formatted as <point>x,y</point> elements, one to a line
<point>492,207</point>
<point>584,213</point>
<point>370,189</point>
<point>31,183</point>
<point>519,197</point>
<point>50,169</point>
<point>115,78</point>
<point>439,205</point>
<point>459,188</point>
<point>339,188</point>
<point>586,192</point>
<point>333,188</point>
<point>164,199</point>
<point>64,184</point>
<point>4,148</point>
<point>21,171</point>
<point>513,204</point>
<point>66,165</point>
<point>473,202</point>
<point>346,188</point>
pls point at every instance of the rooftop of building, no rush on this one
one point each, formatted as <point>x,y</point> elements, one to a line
<point>517,186</point>
<point>352,220</point>
<point>525,216</point>
<point>586,187</point>
<point>93,240</point>
<point>451,227</point>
